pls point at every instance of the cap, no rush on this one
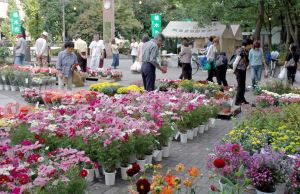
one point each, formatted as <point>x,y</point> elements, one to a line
<point>45,33</point>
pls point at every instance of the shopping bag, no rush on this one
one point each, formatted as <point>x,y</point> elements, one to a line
<point>207,66</point>
<point>297,77</point>
<point>136,66</point>
<point>283,74</point>
<point>77,80</point>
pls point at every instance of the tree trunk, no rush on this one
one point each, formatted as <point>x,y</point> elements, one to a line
<point>260,20</point>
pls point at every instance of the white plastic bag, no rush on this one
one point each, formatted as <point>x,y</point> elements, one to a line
<point>297,77</point>
<point>283,74</point>
<point>136,67</point>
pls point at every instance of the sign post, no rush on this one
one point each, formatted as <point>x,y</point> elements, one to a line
<point>15,22</point>
<point>155,24</point>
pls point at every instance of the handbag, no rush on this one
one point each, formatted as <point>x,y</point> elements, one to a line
<point>291,63</point>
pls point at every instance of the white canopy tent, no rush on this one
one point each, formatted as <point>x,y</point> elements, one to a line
<point>182,29</point>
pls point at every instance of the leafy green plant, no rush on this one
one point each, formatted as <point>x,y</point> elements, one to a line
<point>142,145</point>
<point>126,149</point>
<point>4,53</point>
<point>110,156</point>
<point>165,133</point>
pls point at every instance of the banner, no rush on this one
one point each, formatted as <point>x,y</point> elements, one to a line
<point>155,24</point>
<point>15,22</point>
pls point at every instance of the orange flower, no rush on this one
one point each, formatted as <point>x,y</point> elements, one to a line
<point>167,190</point>
<point>170,180</point>
<point>193,171</point>
<point>179,168</point>
<point>188,182</point>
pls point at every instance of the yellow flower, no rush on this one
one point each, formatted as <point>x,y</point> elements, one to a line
<point>179,168</point>
<point>188,182</point>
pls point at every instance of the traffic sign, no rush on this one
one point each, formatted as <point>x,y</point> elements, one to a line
<point>155,24</point>
<point>15,22</point>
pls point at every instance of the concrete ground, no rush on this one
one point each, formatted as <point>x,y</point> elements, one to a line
<point>194,153</point>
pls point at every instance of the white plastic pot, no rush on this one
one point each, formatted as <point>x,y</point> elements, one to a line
<point>261,192</point>
<point>195,131</point>
<point>14,88</point>
<point>148,159</point>
<point>212,122</point>
<point>206,127</point>
<point>158,157</point>
<point>90,177</point>
<point>124,173</point>
<point>7,87</point>
<point>201,128</point>
<point>141,163</point>
<point>190,134</point>
<point>183,137</point>
<point>166,151</point>
<point>1,87</point>
<point>110,178</point>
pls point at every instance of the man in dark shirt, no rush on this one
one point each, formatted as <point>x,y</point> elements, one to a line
<point>291,63</point>
<point>150,62</point>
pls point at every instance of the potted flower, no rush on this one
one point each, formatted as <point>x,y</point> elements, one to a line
<point>182,128</point>
<point>165,133</point>
<point>109,157</point>
<point>126,148</point>
<point>294,181</point>
<point>142,145</point>
<point>265,171</point>
<point>89,167</point>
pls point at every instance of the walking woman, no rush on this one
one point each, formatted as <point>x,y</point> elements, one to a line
<point>211,55</point>
<point>115,53</point>
<point>185,57</point>
<point>221,69</point>
<point>291,63</point>
<point>256,61</point>
<point>240,69</point>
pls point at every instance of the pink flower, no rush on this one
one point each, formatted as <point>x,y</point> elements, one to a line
<point>26,143</point>
<point>107,142</point>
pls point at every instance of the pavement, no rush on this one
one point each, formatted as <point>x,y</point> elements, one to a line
<point>194,153</point>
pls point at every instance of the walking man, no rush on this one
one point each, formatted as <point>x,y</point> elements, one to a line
<point>149,59</point>
<point>97,51</point>
<point>41,50</point>
<point>20,50</point>
<point>81,51</point>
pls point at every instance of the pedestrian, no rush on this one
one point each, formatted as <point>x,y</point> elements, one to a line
<point>134,49</point>
<point>66,63</point>
<point>140,48</point>
<point>20,50</point>
<point>291,63</point>
<point>209,42</point>
<point>97,52</point>
<point>211,55</point>
<point>101,64</point>
<point>115,53</point>
<point>221,69</point>
<point>240,66</point>
<point>256,61</point>
<point>185,57</point>
<point>81,50</point>
<point>150,55</point>
<point>42,50</point>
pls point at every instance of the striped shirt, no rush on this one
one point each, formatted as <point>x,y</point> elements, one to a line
<point>150,53</point>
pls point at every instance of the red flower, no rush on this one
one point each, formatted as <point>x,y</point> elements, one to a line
<point>37,137</point>
<point>83,173</point>
<point>26,143</point>
<point>219,163</point>
<point>133,170</point>
<point>33,158</point>
<point>143,186</point>
<point>213,188</point>
<point>125,137</point>
<point>236,149</point>
<point>42,141</point>
<point>52,153</point>
<point>23,179</point>
<point>4,179</point>
<point>20,155</point>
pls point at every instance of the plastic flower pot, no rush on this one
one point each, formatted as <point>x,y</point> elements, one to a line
<point>195,131</point>
<point>166,151</point>
<point>158,157</point>
<point>212,122</point>
<point>261,192</point>
<point>21,88</point>
<point>142,163</point>
<point>7,87</point>
<point>97,173</point>
<point>201,128</point>
<point>132,159</point>
<point>280,188</point>
<point>110,178</point>
<point>206,127</point>
<point>1,87</point>
<point>14,88</point>
<point>183,138</point>
<point>148,159</point>
<point>124,173</point>
<point>190,134</point>
<point>90,177</point>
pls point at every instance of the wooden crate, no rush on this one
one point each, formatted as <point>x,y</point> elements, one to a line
<point>235,110</point>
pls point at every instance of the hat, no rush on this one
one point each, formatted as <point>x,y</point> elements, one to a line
<point>45,33</point>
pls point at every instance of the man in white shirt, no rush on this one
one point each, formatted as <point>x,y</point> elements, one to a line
<point>81,51</point>
<point>134,49</point>
<point>41,50</point>
<point>97,52</point>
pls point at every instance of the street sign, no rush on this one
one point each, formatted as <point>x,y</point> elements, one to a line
<point>15,22</point>
<point>155,24</point>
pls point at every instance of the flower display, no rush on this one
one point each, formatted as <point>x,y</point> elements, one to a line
<point>219,163</point>
<point>143,186</point>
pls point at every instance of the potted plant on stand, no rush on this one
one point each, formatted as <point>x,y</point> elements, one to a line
<point>110,157</point>
<point>142,145</point>
<point>126,148</point>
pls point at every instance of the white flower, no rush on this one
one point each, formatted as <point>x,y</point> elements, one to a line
<point>47,148</point>
<point>88,116</point>
<point>55,183</point>
<point>51,127</point>
<point>50,117</point>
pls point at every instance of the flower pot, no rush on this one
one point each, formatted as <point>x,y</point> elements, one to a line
<point>110,178</point>
<point>21,88</point>
<point>90,177</point>
<point>212,122</point>
<point>280,188</point>
<point>97,173</point>
<point>195,131</point>
<point>183,137</point>
<point>261,192</point>
<point>14,88</point>
<point>166,151</point>
<point>1,87</point>
<point>202,128</point>
<point>141,163</point>
<point>158,157</point>
<point>148,159</point>
<point>206,127</point>
<point>7,87</point>
<point>190,134</point>
<point>132,159</point>
<point>124,173</point>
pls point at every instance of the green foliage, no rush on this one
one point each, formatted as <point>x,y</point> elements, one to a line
<point>142,145</point>
<point>110,156</point>
<point>126,149</point>
<point>165,133</point>
<point>4,53</point>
